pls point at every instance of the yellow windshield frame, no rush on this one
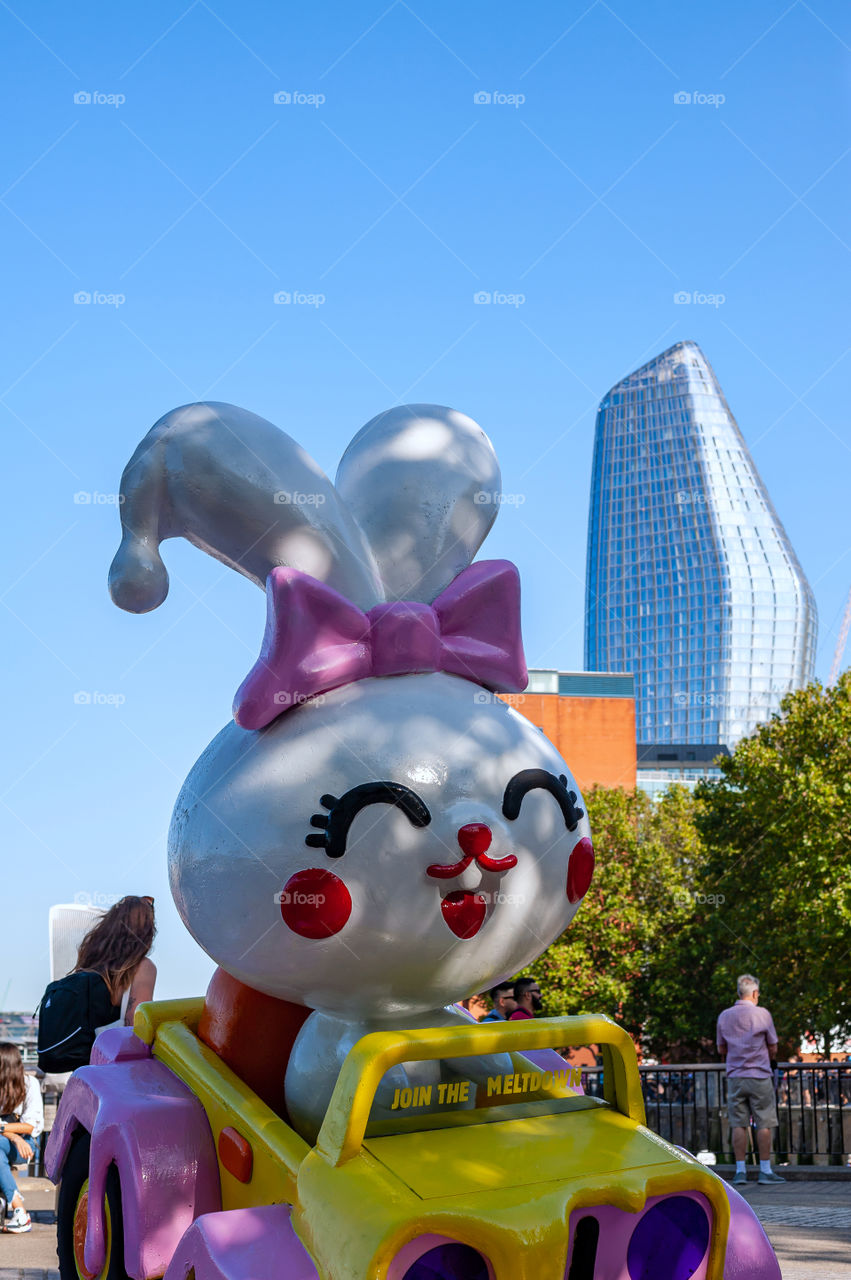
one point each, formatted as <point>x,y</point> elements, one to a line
<point>344,1126</point>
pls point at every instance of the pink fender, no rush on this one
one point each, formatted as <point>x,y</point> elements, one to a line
<point>146,1122</point>
<point>749,1252</point>
<point>243,1244</point>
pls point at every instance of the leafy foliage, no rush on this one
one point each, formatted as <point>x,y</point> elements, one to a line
<point>640,891</point>
<point>777,833</point>
<point>751,873</point>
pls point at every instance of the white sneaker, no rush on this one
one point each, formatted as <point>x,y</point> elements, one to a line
<point>18,1221</point>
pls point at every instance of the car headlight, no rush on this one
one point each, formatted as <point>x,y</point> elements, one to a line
<point>669,1242</point>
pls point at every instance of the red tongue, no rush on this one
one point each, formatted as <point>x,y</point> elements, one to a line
<point>464,912</point>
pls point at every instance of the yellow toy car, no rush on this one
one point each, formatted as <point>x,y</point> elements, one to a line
<point>519,1176</point>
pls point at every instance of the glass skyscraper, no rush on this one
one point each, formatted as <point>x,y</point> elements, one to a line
<point>692,584</point>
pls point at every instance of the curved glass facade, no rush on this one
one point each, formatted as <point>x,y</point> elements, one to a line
<point>692,584</point>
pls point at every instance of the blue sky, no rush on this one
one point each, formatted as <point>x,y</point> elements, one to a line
<point>182,196</point>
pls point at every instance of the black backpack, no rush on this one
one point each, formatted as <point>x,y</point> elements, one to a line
<point>71,1010</point>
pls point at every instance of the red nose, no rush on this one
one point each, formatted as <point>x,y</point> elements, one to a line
<point>475,839</point>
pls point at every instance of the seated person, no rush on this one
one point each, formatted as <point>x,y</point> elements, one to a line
<point>527,994</point>
<point>21,1123</point>
<point>504,1003</point>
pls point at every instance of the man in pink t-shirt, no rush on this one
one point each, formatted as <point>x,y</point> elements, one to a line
<point>747,1039</point>
<point>527,994</point>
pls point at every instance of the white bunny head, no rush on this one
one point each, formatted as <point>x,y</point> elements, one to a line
<point>378,834</point>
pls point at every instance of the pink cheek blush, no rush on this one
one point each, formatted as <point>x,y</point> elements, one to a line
<point>580,870</point>
<point>315,903</point>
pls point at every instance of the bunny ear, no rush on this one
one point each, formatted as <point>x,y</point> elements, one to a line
<point>423,483</point>
<point>241,490</point>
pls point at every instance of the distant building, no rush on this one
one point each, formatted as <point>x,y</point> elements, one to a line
<point>22,1030</point>
<point>661,764</point>
<point>590,717</point>
<point>692,583</point>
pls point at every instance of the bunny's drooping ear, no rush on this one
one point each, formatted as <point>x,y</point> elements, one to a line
<point>423,483</point>
<point>241,490</point>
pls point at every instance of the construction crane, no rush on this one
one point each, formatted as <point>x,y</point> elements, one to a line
<point>840,644</point>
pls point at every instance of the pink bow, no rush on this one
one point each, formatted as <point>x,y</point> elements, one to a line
<point>316,639</point>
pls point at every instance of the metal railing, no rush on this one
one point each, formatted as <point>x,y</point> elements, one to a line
<point>687,1104</point>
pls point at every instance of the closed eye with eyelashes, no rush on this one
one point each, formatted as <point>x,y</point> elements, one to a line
<point>532,779</point>
<point>334,826</point>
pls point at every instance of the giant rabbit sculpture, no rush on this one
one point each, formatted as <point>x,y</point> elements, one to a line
<point>376,835</point>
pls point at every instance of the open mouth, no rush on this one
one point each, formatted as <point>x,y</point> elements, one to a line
<point>464,912</point>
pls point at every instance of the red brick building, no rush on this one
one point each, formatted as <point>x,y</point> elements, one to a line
<point>590,717</point>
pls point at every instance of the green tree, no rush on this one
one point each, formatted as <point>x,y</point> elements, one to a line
<point>777,832</point>
<point>752,873</point>
<point>686,984</point>
<point>641,892</point>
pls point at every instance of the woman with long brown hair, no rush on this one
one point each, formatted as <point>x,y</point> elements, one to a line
<point>112,976</point>
<point>117,949</point>
<point>21,1122</point>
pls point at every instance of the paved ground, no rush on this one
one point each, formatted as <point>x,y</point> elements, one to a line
<point>809,1224</point>
<point>32,1256</point>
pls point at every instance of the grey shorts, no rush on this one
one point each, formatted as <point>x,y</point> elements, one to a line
<point>751,1096</point>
